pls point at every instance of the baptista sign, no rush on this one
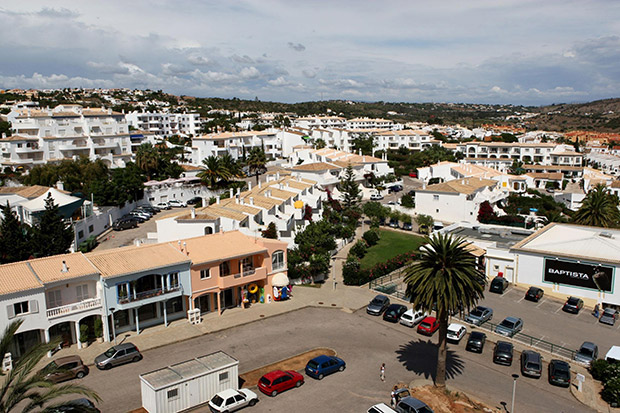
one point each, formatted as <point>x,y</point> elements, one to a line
<point>579,274</point>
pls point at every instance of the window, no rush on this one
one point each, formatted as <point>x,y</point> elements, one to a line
<point>80,234</point>
<point>54,298</point>
<point>225,268</point>
<point>174,280</point>
<point>173,394</point>
<point>91,228</point>
<point>246,264</point>
<point>277,260</point>
<point>435,197</point>
<point>223,377</point>
<point>82,292</point>
<point>205,274</point>
<point>20,308</point>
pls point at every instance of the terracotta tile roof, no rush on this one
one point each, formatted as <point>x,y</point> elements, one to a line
<point>127,260</point>
<point>553,167</point>
<point>220,247</point>
<point>297,184</point>
<point>19,138</point>
<point>228,135</point>
<point>404,132</point>
<point>16,277</point>
<point>190,167</point>
<point>28,192</point>
<point>460,186</point>
<point>50,269</point>
<point>278,193</point>
<point>615,184</point>
<point>225,211</point>
<point>555,176</point>
<point>317,166</point>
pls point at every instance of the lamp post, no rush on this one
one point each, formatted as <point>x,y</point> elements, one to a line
<point>514,388</point>
<point>334,271</point>
<point>112,309</point>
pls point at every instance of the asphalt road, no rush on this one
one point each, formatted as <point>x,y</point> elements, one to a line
<point>363,341</point>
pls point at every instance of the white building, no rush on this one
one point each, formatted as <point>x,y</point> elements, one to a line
<point>414,140</point>
<point>370,164</point>
<point>538,153</point>
<point>320,122</point>
<point>164,125</point>
<point>181,189</point>
<point>369,123</point>
<point>607,163</point>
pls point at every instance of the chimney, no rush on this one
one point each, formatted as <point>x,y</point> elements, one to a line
<point>281,186</point>
<point>259,183</point>
<point>217,199</point>
<point>236,200</point>
<point>252,201</point>
<point>298,178</point>
<point>231,192</point>
<point>249,186</point>
<point>277,175</point>
<point>64,266</point>
<point>238,191</point>
<point>193,213</point>
<point>185,247</point>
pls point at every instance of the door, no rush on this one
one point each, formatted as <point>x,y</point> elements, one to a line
<point>510,274</point>
<point>119,358</point>
<point>226,298</point>
<point>194,393</point>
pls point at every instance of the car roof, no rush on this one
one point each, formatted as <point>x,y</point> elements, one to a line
<point>124,346</point>
<point>512,319</point>
<point>321,358</point>
<point>588,345</point>
<point>224,394</point>
<point>455,326</point>
<point>380,297</point>
<point>429,319</point>
<point>532,354</point>
<point>273,375</point>
<point>476,334</point>
<point>413,402</point>
<point>560,363</point>
<point>503,344</point>
<point>67,359</point>
<point>394,305</point>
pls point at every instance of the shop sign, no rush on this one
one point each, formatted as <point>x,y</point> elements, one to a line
<point>579,274</point>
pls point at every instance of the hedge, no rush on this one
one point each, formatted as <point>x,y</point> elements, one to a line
<point>354,275</point>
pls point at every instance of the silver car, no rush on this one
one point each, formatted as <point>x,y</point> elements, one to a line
<point>509,326</point>
<point>609,316</point>
<point>586,353</point>
<point>479,315</point>
<point>117,355</point>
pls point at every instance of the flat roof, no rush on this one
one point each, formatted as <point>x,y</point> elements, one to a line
<point>504,237</point>
<point>186,370</point>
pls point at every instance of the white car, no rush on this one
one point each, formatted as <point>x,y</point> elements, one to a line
<point>163,205</point>
<point>456,332</point>
<point>175,203</point>
<point>376,197</point>
<point>231,400</point>
<point>412,317</point>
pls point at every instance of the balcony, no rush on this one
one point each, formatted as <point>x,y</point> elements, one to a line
<point>143,295</point>
<point>247,276</point>
<point>74,308</point>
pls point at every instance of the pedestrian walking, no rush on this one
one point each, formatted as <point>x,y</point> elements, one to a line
<point>596,311</point>
<point>393,396</point>
<point>382,374</point>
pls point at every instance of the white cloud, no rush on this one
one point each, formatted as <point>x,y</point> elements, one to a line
<point>298,47</point>
<point>249,73</point>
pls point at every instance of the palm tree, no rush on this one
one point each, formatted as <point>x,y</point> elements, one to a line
<point>256,161</point>
<point>599,209</point>
<point>445,276</point>
<point>213,171</point>
<point>29,389</point>
<point>147,159</point>
<point>231,165</point>
<point>517,168</point>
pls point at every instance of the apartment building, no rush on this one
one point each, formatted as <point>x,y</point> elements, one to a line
<point>67,132</point>
<point>490,153</point>
<point>607,163</point>
<point>320,122</point>
<point>369,164</point>
<point>239,144</point>
<point>164,125</point>
<point>414,140</point>
<point>369,123</point>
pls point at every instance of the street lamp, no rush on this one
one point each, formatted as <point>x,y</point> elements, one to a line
<point>112,309</point>
<point>334,271</point>
<point>514,388</point>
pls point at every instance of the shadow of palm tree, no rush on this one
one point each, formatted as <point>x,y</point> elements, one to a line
<point>420,357</point>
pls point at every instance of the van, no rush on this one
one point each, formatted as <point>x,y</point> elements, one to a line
<point>613,355</point>
<point>117,355</point>
<point>381,408</point>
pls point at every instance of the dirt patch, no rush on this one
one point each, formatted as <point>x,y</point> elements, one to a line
<point>298,362</point>
<point>448,401</point>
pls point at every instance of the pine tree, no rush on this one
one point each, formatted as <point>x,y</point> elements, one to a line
<point>14,238</point>
<point>271,231</point>
<point>52,235</point>
<point>351,193</point>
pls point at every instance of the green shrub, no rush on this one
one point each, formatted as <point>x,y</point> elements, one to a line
<point>597,369</point>
<point>98,328</point>
<point>371,237</point>
<point>359,249</point>
<point>611,391</point>
<point>351,273</point>
<point>83,333</point>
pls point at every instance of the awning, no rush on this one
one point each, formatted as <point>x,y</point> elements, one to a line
<point>280,280</point>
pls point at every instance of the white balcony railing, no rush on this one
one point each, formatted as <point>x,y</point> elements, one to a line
<point>278,266</point>
<point>74,308</point>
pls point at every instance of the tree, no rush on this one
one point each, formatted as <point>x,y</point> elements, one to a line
<point>517,168</point>
<point>147,159</point>
<point>30,390</point>
<point>213,171</point>
<point>486,213</point>
<point>257,161</point>
<point>14,238</point>
<point>319,144</point>
<point>599,209</point>
<point>271,231</point>
<point>231,166</point>
<point>364,143</point>
<point>351,193</point>
<point>425,223</point>
<point>446,278</point>
<point>51,235</point>
<point>374,210</point>
<point>5,128</point>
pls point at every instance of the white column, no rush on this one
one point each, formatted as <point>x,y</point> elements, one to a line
<point>77,334</point>
<point>135,310</point>
<point>46,333</point>
<point>106,327</point>
<point>165,280</point>
<point>165,314</point>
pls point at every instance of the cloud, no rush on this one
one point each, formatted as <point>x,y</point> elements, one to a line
<point>280,81</point>
<point>115,68</point>
<point>249,73</point>
<point>198,60</point>
<point>310,74</point>
<point>61,13</point>
<point>298,47</point>
<point>242,59</point>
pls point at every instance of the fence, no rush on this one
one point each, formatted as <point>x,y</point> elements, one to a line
<point>390,278</point>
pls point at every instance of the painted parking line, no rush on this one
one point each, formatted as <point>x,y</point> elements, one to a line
<point>556,311</point>
<point>520,299</point>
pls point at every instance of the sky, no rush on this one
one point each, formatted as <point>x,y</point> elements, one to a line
<point>489,51</point>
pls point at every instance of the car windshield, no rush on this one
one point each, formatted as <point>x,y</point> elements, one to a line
<point>504,347</point>
<point>476,313</point>
<point>561,371</point>
<point>424,410</point>
<point>51,366</point>
<point>507,324</point>
<point>609,312</point>
<point>573,301</point>
<point>313,364</point>
<point>265,381</point>
<point>217,400</point>
<point>110,352</point>
<point>532,366</point>
<point>584,351</point>
<point>425,325</point>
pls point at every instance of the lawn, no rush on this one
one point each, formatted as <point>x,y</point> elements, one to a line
<point>391,244</point>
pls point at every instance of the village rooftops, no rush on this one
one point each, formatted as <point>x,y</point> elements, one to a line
<point>17,276</point>
<point>29,192</point>
<point>62,267</point>
<point>465,186</point>
<point>229,135</point>
<point>220,246</point>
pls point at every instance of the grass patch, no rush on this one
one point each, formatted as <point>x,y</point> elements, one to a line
<point>391,244</point>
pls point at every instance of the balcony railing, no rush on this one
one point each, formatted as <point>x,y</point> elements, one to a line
<point>278,266</point>
<point>147,294</point>
<point>74,308</point>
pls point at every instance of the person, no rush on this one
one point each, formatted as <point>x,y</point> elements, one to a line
<point>596,311</point>
<point>393,395</point>
<point>382,374</point>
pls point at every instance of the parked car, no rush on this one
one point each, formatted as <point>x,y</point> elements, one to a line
<point>378,305</point>
<point>456,332</point>
<point>65,368</point>
<point>77,405</point>
<point>609,316</point>
<point>498,285</point>
<point>428,326</point>
<point>411,193</point>
<point>573,305</point>
<point>278,381</point>
<point>531,364</point>
<point>395,188</point>
<point>324,365</point>
<point>502,353</point>
<point>117,355</point>
<point>559,373</point>
<point>412,317</point>
<point>125,223</point>
<point>380,408</point>
<point>534,294</point>
<point>194,201</point>
<point>407,226</point>
<point>412,405</point>
<point>586,353</point>
<point>230,400</point>
<point>413,174</point>
<point>509,326</point>
<point>475,342</point>
<point>479,315</point>
<point>175,203</point>
<point>394,312</point>
<point>141,214</point>
<point>376,197</point>
<point>137,217</point>
<point>163,205</point>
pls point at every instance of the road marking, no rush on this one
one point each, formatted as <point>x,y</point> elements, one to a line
<point>521,299</point>
<point>541,302</point>
<point>556,311</point>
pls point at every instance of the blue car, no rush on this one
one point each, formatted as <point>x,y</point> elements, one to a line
<point>321,366</point>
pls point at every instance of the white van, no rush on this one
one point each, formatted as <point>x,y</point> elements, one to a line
<point>381,408</point>
<point>613,355</point>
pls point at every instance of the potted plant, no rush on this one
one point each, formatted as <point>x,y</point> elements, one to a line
<point>84,335</point>
<point>98,327</point>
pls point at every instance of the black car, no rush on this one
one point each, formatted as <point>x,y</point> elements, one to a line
<point>534,294</point>
<point>573,305</point>
<point>393,312</point>
<point>393,223</point>
<point>395,188</point>
<point>531,364</point>
<point>559,373</point>
<point>498,285</point>
<point>475,342</point>
<point>149,208</point>
<point>125,223</point>
<point>194,201</point>
<point>502,353</point>
<point>407,226</point>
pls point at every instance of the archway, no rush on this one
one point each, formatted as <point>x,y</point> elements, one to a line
<point>62,332</point>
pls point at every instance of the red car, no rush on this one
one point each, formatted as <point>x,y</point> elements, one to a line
<point>413,174</point>
<point>428,326</point>
<point>278,381</point>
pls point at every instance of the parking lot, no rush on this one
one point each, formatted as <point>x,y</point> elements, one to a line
<point>363,341</point>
